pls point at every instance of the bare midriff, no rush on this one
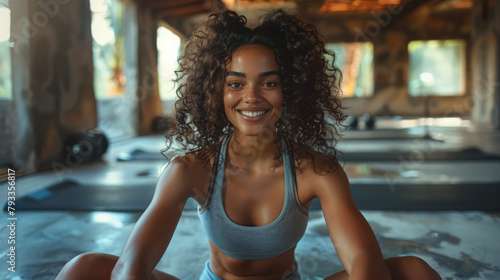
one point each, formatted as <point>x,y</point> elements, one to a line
<point>229,268</point>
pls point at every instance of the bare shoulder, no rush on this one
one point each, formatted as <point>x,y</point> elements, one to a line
<point>189,164</point>
<point>320,173</point>
<point>314,163</point>
<point>188,172</point>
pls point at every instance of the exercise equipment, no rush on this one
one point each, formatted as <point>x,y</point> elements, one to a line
<point>351,122</point>
<point>87,146</point>
<point>140,155</point>
<point>72,195</point>
<point>465,196</point>
<point>369,121</point>
<point>467,154</point>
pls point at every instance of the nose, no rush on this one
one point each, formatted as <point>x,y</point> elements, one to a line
<point>252,94</point>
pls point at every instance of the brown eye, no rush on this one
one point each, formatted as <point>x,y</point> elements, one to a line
<point>235,85</point>
<point>270,84</point>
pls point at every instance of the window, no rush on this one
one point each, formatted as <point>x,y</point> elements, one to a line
<point>168,51</point>
<point>114,111</point>
<point>355,60</point>
<point>5,62</point>
<point>108,47</point>
<point>437,67</point>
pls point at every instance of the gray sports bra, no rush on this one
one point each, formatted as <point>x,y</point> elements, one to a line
<point>254,242</point>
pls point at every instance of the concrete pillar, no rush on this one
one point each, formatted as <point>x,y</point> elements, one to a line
<point>485,61</point>
<point>148,95</point>
<point>22,130</point>
<point>130,122</point>
<point>53,93</point>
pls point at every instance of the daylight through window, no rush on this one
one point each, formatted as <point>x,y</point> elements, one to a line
<point>108,47</point>
<point>5,62</point>
<point>168,51</point>
<point>355,60</point>
<point>437,67</point>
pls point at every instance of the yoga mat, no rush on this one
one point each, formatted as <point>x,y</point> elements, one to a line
<point>469,196</point>
<point>140,155</point>
<point>382,134</point>
<point>469,154</point>
<point>71,195</point>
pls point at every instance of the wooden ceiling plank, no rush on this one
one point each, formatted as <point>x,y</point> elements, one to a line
<point>164,4</point>
<point>181,11</point>
<point>408,8</point>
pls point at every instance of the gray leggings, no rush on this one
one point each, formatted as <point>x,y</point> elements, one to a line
<point>208,274</point>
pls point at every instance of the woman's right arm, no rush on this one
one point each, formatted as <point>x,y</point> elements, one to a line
<point>154,229</point>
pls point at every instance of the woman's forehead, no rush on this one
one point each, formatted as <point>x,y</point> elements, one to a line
<point>252,57</point>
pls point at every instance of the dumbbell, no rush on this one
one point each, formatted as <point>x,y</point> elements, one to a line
<point>368,120</point>
<point>351,122</point>
<point>86,146</point>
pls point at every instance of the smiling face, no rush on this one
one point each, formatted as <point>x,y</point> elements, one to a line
<point>253,96</point>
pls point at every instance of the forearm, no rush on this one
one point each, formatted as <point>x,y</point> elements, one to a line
<point>142,252</point>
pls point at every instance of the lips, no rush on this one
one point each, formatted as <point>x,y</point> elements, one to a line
<point>253,115</point>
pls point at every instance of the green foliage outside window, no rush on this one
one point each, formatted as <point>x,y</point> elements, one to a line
<point>436,67</point>
<point>108,47</point>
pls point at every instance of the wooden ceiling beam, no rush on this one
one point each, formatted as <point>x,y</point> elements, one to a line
<point>165,4</point>
<point>182,11</point>
<point>408,7</point>
<point>359,6</point>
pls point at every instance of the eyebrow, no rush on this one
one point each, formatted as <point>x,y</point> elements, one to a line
<point>264,74</point>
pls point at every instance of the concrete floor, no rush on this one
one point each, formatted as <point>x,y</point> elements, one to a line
<point>458,244</point>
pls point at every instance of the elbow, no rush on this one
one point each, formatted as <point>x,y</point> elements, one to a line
<point>117,271</point>
<point>385,273</point>
<point>122,271</point>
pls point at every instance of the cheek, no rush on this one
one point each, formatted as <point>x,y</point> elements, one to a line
<point>277,101</point>
<point>229,100</point>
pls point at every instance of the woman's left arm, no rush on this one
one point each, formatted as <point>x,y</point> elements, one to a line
<point>351,234</point>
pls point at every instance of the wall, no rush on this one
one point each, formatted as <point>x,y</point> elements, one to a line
<point>486,63</point>
<point>390,31</point>
<point>148,95</point>
<point>53,93</point>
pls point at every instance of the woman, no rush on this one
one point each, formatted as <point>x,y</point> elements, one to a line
<point>256,109</point>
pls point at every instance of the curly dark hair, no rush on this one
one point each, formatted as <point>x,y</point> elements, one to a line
<point>311,92</point>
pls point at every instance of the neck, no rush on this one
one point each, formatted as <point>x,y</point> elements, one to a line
<point>252,152</point>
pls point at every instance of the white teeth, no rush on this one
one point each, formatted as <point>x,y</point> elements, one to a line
<point>252,113</point>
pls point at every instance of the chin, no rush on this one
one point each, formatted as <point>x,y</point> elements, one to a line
<point>263,132</point>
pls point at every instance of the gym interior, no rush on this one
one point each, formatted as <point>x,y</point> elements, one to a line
<point>87,93</point>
